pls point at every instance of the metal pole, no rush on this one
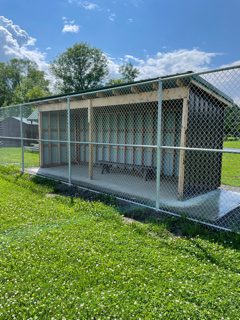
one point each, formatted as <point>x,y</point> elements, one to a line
<point>21,135</point>
<point>159,142</point>
<point>69,141</point>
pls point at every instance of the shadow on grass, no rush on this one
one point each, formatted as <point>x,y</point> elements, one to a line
<point>182,227</point>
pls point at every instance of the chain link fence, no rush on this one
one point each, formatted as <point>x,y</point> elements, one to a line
<point>171,144</point>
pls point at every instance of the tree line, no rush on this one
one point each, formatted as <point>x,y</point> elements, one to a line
<point>80,67</point>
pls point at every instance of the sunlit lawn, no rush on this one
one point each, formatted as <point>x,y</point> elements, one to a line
<point>67,258</point>
<point>231,165</point>
<point>13,155</point>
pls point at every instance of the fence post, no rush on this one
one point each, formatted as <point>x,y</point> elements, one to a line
<point>159,141</point>
<point>21,135</point>
<point>69,141</point>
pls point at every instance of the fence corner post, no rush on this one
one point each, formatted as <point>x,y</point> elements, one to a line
<point>159,142</point>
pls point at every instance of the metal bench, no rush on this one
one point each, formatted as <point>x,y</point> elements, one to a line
<point>148,172</point>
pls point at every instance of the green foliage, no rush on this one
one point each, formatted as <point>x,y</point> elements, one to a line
<point>79,68</point>
<point>63,259</point>
<point>232,121</point>
<point>20,81</point>
<point>129,72</point>
<point>114,82</point>
<point>32,86</point>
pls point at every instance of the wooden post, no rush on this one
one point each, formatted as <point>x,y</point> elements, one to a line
<point>40,140</point>
<point>49,138</point>
<point>183,144</point>
<point>58,137</point>
<point>90,135</point>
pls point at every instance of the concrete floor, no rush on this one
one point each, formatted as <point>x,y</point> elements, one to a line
<point>210,206</point>
<point>131,186</point>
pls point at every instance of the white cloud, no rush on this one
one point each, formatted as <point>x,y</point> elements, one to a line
<point>112,17</point>
<point>165,63</point>
<point>227,81</point>
<point>70,28</point>
<point>17,43</point>
<point>129,57</point>
<point>130,20</point>
<point>113,66</point>
<point>84,4</point>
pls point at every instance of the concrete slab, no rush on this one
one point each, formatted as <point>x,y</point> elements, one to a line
<point>208,207</point>
<point>129,186</point>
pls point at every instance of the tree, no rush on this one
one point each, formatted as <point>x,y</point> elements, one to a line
<point>232,121</point>
<point>32,86</point>
<point>20,81</point>
<point>114,82</point>
<point>4,89</point>
<point>80,67</point>
<point>129,72</point>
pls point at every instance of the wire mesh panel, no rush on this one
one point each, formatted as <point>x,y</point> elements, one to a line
<point>10,136</point>
<point>172,144</point>
<point>208,163</point>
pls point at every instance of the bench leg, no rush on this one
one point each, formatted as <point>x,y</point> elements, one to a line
<point>106,168</point>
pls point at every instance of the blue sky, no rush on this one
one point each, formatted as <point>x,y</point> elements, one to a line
<point>159,36</point>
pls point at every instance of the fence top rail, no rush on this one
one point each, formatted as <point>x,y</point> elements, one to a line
<point>123,86</point>
<point>198,73</point>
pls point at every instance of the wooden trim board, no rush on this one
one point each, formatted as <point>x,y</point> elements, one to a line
<point>183,144</point>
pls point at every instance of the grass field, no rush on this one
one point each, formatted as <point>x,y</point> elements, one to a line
<point>14,156</point>
<point>232,144</point>
<point>231,165</point>
<point>67,258</point>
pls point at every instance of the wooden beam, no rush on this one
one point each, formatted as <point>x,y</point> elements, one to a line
<point>183,152</point>
<point>58,135</point>
<point>90,133</point>
<point>180,82</point>
<point>115,92</point>
<point>101,94</point>
<point>132,98</point>
<point>155,85</point>
<point>135,89</point>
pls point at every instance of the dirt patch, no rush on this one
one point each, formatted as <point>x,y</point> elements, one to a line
<point>128,220</point>
<point>51,195</point>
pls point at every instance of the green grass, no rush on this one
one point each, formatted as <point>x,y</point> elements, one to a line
<point>230,165</point>
<point>14,156</point>
<point>67,258</point>
<point>232,144</point>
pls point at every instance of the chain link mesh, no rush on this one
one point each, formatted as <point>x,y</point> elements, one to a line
<point>183,160</point>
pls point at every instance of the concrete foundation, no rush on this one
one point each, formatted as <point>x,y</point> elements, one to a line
<point>210,206</point>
